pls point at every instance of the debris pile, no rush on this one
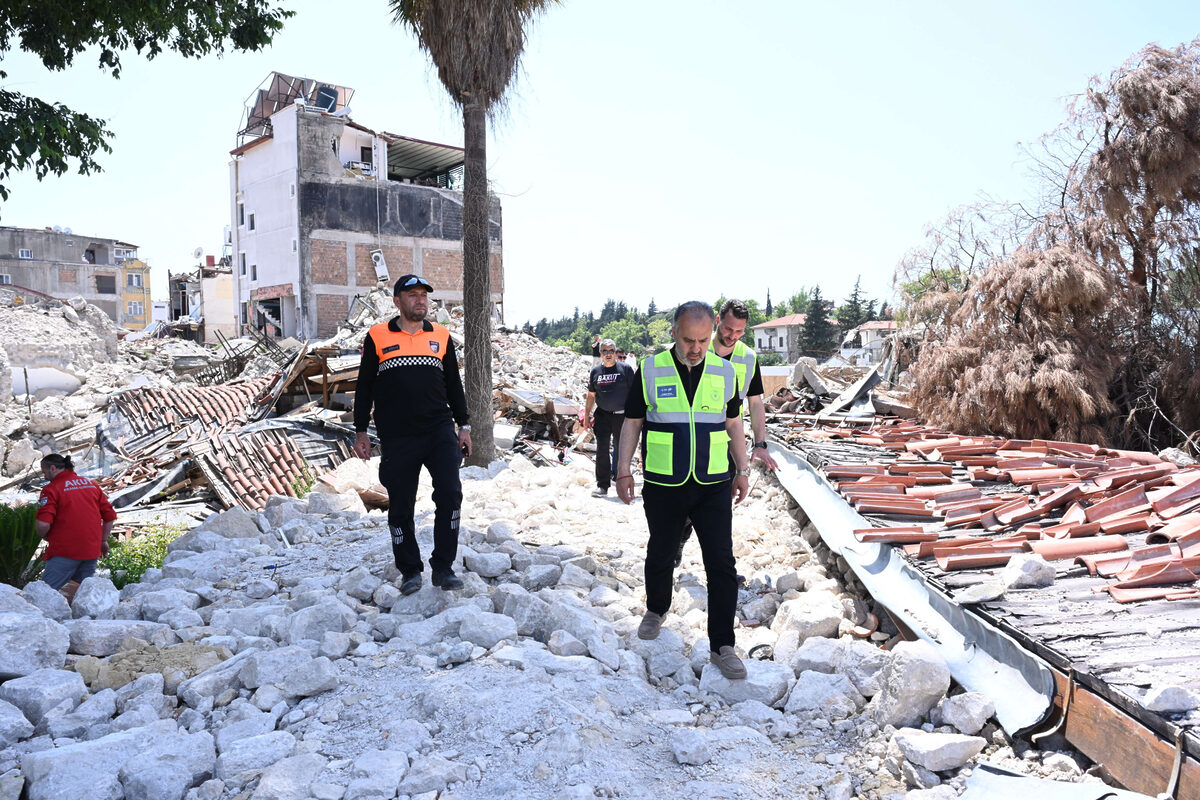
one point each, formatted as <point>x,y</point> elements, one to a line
<point>273,655</point>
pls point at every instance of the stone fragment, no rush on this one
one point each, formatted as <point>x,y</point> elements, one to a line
<point>312,678</point>
<point>96,598</point>
<point>89,769</point>
<point>21,457</point>
<point>540,576</point>
<point>1171,700</point>
<point>50,601</point>
<point>487,629</point>
<point>834,696</point>
<point>329,503</point>
<point>359,583</point>
<point>841,787</point>
<point>385,596</point>
<point>573,575</point>
<point>157,780</point>
<point>766,682</point>
<point>388,765</point>
<point>290,778</point>
<point>811,614</point>
<point>103,637</point>
<point>938,751</point>
<point>29,643</point>
<point>38,692</point>
<point>1027,571</point>
<point>562,643</point>
<point>97,709</point>
<point>13,725</point>
<point>487,565</point>
<point>271,666</point>
<point>334,645</point>
<point>968,712</point>
<point>431,773</point>
<point>213,681</point>
<point>913,681</point>
<point>690,746</point>
<point>408,736</point>
<point>312,622</point>
<point>159,601</point>
<point>247,757</point>
<point>261,588</point>
<point>531,613</point>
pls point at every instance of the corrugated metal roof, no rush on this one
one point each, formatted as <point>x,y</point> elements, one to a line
<point>415,158</point>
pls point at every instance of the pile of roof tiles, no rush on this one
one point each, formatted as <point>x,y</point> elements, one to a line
<point>245,470</point>
<point>149,409</point>
<point>975,502</point>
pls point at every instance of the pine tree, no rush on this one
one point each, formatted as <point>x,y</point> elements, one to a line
<point>818,336</point>
<point>652,309</point>
<point>769,310</point>
<point>852,314</point>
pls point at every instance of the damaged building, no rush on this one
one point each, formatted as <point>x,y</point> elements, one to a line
<point>202,305</point>
<point>323,209</point>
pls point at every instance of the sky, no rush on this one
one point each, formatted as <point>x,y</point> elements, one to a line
<point>651,149</point>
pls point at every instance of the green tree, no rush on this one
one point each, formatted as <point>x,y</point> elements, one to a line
<point>659,332</point>
<point>475,45</point>
<point>852,313</point>
<point>627,333</point>
<point>818,337</point>
<point>651,309</point>
<point>48,137</point>
<point>796,304</point>
<point>769,309</point>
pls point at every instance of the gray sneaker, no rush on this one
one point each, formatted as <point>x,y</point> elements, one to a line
<point>728,662</point>
<point>651,623</point>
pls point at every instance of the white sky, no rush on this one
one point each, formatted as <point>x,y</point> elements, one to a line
<point>666,149</point>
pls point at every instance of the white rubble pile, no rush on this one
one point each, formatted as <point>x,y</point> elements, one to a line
<point>245,667</point>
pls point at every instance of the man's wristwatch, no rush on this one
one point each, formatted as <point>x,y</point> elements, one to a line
<point>745,473</point>
<point>464,427</point>
<point>762,445</point>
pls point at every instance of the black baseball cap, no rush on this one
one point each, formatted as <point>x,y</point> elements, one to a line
<point>406,282</point>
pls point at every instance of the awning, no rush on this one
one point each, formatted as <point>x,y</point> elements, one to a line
<point>415,158</point>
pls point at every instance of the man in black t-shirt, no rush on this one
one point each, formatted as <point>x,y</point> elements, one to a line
<point>608,387</point>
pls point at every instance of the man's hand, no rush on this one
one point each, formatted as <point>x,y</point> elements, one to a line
<point>741,488</point>
<point>762,455</point>
<point>464,441</point>
<point>625,489</point>
<point>104,548</point>
<point>587,422</point>
<point>362,446</point>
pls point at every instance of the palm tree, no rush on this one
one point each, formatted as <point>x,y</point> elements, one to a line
<point>475,46</point>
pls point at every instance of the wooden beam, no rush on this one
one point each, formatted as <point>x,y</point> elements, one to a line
<point>1131,752</point>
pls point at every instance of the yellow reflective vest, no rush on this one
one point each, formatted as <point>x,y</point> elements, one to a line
<point>743,359</point>
<point>686,441</point>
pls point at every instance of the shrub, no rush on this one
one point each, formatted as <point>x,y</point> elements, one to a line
<point>19,542</point>
<point>128,561</point>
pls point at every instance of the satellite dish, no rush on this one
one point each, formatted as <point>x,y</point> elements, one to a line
<point>58,229</point>
<point>199,251</point>
<point>67,230</point>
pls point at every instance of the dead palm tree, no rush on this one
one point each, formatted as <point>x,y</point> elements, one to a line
<point>475,46</point>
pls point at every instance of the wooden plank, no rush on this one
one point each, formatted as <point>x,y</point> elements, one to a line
<point>1135,756</point>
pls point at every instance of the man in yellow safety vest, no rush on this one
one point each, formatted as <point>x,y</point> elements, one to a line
<point>686,399</point>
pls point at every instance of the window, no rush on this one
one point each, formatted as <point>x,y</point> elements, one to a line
<point>23,253</point>
<point>134,281</point>
<point>292,190</point>
<point>365,154</point>
<point>106,284</point>
<point>243,313</point>
<point>5,279</point>
<point>241,214</point>
<point>254,272</point>
<point>135,308</point>
<point>242,262</point>
<point>70,243</point>
<point>250,224</point>
<point>293,245</point>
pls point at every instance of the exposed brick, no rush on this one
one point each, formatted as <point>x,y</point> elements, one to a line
<point>329,261</point>
<point>68,275</point>
<point>496,269</point>
<point>331,310</point>
<point>399,261</point>
<point>443,268</point>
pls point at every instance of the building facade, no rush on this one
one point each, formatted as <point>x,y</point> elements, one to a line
<point>324,209</point>
<point>781,335</point>
<point>62,264</point>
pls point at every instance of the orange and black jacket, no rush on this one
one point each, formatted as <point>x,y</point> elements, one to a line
<point>411,379</point>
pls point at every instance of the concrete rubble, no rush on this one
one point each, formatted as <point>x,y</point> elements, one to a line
<point>302,672</point>
<point>273,656</point>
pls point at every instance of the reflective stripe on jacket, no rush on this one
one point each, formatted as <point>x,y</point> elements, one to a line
<point>743,359</point>
<point>426,348</point>
<point>685,441</point>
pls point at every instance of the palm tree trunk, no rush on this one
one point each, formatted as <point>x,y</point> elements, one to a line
<point>477,285</point>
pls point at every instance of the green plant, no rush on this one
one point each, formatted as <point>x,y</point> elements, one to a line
<point>19,542</point>
<point>303,484</point>
<point>128,561</point>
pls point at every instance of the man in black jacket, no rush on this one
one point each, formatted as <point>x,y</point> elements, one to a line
<point>409,373</point>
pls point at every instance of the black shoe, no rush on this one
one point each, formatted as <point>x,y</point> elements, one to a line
<point>411,583</point>
<point>600,491</point>
<point>447,580</point>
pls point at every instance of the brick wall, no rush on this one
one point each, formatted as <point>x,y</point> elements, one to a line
<point>68,275</point>
<point>399,262</point>
<point>331,310</point>
<point>329,261</point>
<point>496,270</point>
<point>443,268</point>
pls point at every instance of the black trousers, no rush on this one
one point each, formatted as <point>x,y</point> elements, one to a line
<point>399,469</point>
<point>710,508</point>
<point>607,426</point>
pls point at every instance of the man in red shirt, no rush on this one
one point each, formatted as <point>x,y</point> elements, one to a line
<point>75,519</point>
